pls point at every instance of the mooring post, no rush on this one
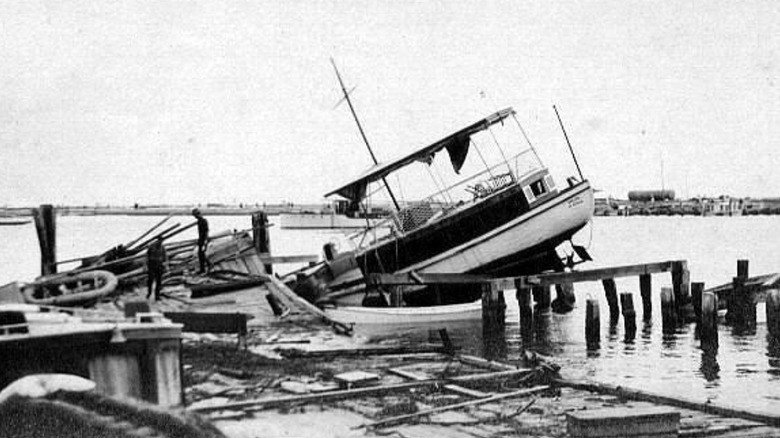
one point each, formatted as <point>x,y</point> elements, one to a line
<point>564,298</point>
<point>629,315</point>
<point>646,289</point>
<point>610,290</point>
<point>592,324</point>
<point>45,225</point>
<point>741,305</point>
<point>523,295</point>
<point>542,297</point>
<point>681,285</point>
<point>668,310</point>
<point>743,268</point>
<point>708,328</point>
<point>493,309</point>
<point>697,288</point>
<point>773,313</point>
<point>262,238</point>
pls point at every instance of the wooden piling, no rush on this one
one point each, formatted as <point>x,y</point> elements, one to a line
<point>523,295</point>
<point>629,315</point>
<point>743,268</point>
<point>262,238</point>
<point>741,305</point>
<point>493,321</point>
<point>681,285</point>
<point>708,328</point>
<point>564,298</point>
<point>646,289</point>
<point>773,313</point>
<point>45,225</point>
<point>493,309</point>
<point>610,290</point>
<point>697,288</point>
<point>668,310</point>
<point>592,324</point>
<point>541,297</point>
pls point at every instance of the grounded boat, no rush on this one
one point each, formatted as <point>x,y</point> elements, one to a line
<point>70,289</point>
<point>506,217</point>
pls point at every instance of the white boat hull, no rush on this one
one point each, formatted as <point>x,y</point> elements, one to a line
<point>406,315</point>
<point>567,212</point>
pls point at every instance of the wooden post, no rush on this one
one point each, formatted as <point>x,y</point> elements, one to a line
<point>741,305</point>
<point>564,298</point>
<point>646,289</point>
<point>45,225</point>
<point>697,288</point>
<point>523,295</point>
<point>542,297</point>
<point>592,324</point>
<point>329,249</point>
<point>493,316</point>
<point>743,268</point>
<point>493,308</point>
<point>708,329</point>
<point>668,310</point>
<point>610,289</point>
<point>681,285</point>
<point>629,315</point>
<point>262,237</point>
<point>773,313</point>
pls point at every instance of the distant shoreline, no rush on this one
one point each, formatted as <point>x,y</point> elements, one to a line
<point>270,210</point>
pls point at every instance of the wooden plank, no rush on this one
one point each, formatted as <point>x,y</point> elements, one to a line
<point>416,278</point>
<point>451,387</point>
<point>623,422</point>
<point>308,258</point>
<point>706,406</point>
<point>276,285</point>
<point>210,322</point>
<point>496,397</point>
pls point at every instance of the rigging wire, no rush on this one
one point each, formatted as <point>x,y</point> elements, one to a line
<point>476,148</point>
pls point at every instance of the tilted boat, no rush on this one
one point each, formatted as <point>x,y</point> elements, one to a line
<point>505,217</point>
<point>70,289</point>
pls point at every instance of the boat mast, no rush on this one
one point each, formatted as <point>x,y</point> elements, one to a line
<point>568,143</point>
<point>362,134</point>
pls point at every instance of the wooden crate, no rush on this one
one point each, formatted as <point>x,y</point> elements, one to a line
<point>653,422</point>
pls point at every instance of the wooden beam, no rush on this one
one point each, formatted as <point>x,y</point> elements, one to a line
<point>266,258</point>
<point>530,280</point>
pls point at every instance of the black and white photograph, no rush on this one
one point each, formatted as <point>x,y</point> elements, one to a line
<point>407,219</point>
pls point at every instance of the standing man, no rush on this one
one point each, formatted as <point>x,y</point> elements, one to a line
<point>155,265</point>
<point>203,240</point>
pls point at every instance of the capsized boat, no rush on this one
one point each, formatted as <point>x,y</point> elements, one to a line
<point>500,213</point>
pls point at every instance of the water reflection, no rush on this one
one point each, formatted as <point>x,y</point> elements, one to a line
<point>709,367</point>
<point>773,354</point>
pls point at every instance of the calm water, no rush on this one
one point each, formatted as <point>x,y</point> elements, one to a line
<point>744,371</point>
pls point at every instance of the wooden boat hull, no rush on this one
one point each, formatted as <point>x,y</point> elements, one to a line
<point>405,315</point>
<point>102,283</point>
<point>497,237</point>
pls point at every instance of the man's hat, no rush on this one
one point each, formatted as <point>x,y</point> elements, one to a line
<point>195,211</point>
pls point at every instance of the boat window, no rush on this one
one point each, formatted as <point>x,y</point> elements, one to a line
<point>537,188</point>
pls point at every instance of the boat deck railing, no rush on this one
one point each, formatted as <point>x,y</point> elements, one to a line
<point>447,201</point>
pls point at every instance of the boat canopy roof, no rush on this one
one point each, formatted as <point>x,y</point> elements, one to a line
<point>457,145</point>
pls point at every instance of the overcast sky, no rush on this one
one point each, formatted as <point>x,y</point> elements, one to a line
<point>116,102</point>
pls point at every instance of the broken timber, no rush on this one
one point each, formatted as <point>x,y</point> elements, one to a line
<point>276,286</point>
<point>352,393</point>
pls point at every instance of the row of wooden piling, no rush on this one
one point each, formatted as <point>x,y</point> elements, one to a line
<point>684,302</point>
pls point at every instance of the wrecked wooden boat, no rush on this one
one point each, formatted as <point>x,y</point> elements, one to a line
<point>70,289</point>
<point>503,217</point>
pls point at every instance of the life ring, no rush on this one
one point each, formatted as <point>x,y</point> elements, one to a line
<point>70,289</point>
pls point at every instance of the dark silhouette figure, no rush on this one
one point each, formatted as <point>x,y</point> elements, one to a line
<point>203,240</point>
<point>155,264</point>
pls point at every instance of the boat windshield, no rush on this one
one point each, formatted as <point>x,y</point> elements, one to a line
<point>433,185</point>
